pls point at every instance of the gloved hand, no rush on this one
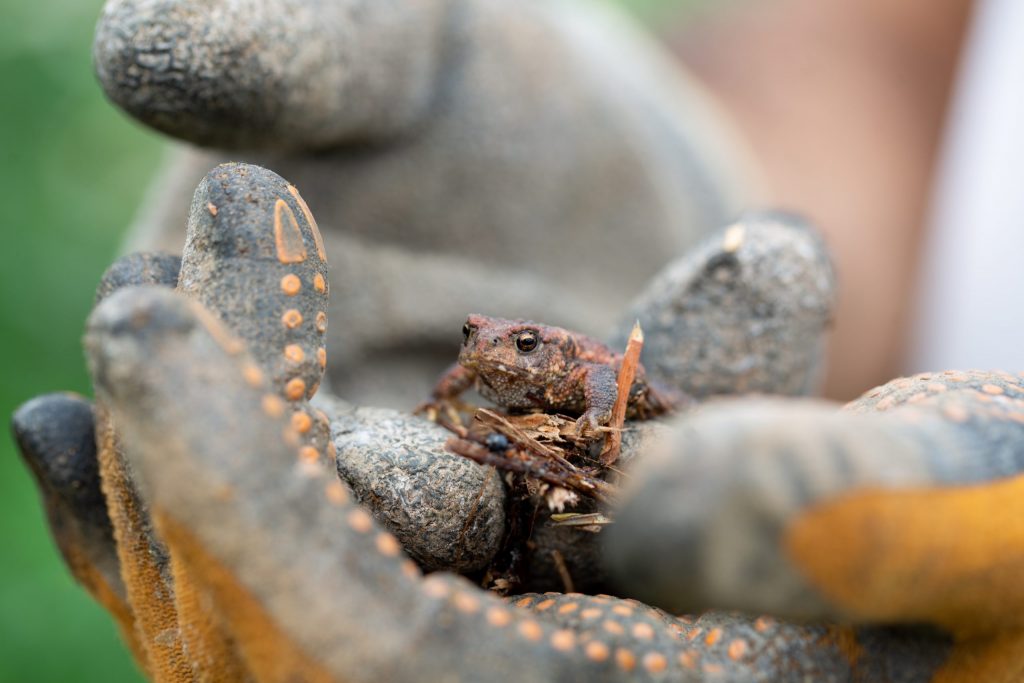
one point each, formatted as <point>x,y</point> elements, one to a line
<point>460,155</point>
<point>210,386</point>
<point>500,138</point>
<point>229,549</point>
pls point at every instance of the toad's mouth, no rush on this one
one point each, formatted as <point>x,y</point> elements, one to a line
<point>487,367</point>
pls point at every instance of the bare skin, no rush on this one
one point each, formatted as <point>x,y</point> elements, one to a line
<point>523,365</point>
<point>843,104</point>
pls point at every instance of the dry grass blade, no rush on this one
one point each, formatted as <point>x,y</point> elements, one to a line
<point>627,372</point>
<point>582,520</point>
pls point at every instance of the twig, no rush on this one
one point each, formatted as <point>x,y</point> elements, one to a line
<point>627,372</point>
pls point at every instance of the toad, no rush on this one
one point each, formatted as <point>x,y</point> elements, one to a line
<point>525,366</point>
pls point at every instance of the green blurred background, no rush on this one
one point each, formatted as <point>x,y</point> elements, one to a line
<point>71,177</point>
<point>72,174</point>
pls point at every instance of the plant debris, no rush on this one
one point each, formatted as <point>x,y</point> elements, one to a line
<point>545,450</point>
<point>562,481</point>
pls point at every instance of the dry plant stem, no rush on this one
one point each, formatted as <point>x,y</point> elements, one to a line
<point>627,372</point>
<point>563,572</point>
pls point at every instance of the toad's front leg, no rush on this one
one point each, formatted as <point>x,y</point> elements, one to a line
<point>455,380</point>
<point>452,384</point>
<point>599,392</point>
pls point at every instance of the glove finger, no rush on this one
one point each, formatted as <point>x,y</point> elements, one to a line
<point>56,437</point>
<point>799,510</point>
<point>261,74</point>
<point>745,311</point>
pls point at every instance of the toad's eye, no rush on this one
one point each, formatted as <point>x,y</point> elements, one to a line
<point>467,330</point>
<point>527,341</point>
